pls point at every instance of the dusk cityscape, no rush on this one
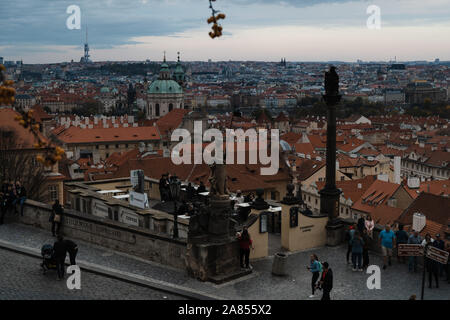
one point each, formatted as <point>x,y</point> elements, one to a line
<point>257,153</point>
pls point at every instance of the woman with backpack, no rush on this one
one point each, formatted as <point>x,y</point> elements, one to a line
<point>315,267</point>
<point>357,251</point>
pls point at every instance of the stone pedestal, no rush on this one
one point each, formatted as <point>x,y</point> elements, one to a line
<point>219,219</point>
<point>334,232</point>
<point>215,262</point>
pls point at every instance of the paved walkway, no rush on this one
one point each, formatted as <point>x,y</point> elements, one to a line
<point>22,279</point>
<point>396,282</point>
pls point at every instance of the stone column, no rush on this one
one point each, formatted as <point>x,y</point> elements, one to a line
<point>329,196</point>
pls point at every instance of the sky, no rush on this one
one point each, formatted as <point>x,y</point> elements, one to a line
<point>257,30</point>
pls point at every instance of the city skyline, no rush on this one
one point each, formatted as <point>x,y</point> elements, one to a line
<point>255,30</point>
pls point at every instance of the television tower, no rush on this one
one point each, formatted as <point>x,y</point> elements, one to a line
<point>85,58</point>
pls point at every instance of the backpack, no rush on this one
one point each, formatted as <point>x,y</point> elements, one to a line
<point>320,266</point>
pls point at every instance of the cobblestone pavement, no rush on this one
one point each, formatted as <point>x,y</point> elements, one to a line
<point>396,282</point>
<point>22,279</point>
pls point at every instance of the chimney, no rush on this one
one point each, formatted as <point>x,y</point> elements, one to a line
<point>419,221</point>
<point>397,170</point>
<point>130,119</point>
<point>337,164</point>
<point>125,125</point>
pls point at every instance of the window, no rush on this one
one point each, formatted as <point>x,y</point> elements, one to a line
<point>96,147</point>
<point>157,109</point>
<point>126,145</point>
<point>52,192</point>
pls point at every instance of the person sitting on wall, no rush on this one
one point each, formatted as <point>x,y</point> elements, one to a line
<point>56,217</point>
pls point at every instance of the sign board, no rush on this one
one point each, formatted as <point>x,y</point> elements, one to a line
<point>137,180</point>
<point>293,217</point>
<point>438,255</point>
<point>263,223</point>
<point>410,250</point>
<point>130,218</point>
<point>99,209</point>
<point>139,200</point>
<point>134,178</point>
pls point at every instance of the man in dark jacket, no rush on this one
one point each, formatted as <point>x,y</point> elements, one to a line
<point>60,252</point>
<point>163,183</point>
<point>326,281</point>
<point>72,249</point>
<point>3,206</point>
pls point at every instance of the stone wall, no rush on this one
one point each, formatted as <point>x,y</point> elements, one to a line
<point>110,234</point>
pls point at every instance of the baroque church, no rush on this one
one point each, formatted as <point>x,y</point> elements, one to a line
<point>166,93</point>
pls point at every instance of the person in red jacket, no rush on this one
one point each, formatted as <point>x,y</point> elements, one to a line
<point>245,242</point>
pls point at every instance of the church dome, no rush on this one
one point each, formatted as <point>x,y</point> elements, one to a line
<point>164,87</point>
<point>164,84</point>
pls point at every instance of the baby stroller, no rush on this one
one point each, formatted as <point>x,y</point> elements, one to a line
<point>48,259</point>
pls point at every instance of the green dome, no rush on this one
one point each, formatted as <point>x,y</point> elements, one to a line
<point>165,87</point>
<point>104,90</point>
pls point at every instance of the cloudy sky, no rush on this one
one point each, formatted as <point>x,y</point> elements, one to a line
<point>300,30</point>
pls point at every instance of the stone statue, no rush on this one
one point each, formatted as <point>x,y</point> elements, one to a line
<point>331,82</point>
<point>218,180</point>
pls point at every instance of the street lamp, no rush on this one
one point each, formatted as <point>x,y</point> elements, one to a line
<point>175,187</point>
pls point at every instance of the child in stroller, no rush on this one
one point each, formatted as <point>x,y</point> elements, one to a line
<point>48,259</point>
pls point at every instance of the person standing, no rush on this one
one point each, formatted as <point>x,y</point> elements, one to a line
<point>72,249</point>
<point>315,267</point>
<point>402,238</point>
<point>447,270</point>
<point>369,224</point>
<point>201,188</point>
<point>60,252</point>
<point>326,281</point>
<point>387,242</point>
<point>357,250</point>
<point>430,264</point>
<point>412,260</point>
<point>56,217</point>
<point>350,234</point>
<point>361,224</point>
<point>365,254</point>
<point>439,244</point>
<point>162,188</point>
<point>22,195</point>
<point>245,242</point>
<point>3,207</point>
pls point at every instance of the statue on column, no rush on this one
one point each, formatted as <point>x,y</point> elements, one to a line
<point>218,180</point>
<point>331,82</point>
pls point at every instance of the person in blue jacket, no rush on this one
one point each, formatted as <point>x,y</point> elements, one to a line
<point>315,267</point>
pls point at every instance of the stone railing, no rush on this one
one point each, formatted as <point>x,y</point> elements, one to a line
<point>141,242</point>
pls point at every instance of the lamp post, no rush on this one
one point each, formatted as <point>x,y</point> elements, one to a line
<point>329,196</point>
<point>175,187</point>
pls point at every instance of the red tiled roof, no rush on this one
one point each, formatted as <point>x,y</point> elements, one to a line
<point>76,135</point>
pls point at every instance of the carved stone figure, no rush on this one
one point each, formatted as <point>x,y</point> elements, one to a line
<point>331,82</point>
<point>218,180</point>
